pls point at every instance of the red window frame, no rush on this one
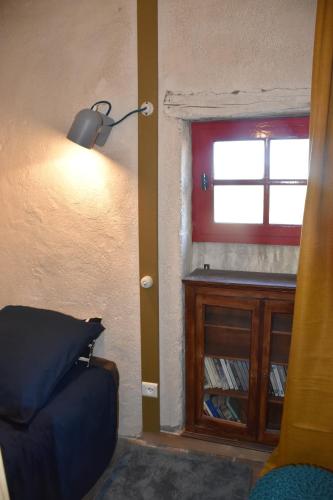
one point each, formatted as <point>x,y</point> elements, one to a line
<point>204,134</point>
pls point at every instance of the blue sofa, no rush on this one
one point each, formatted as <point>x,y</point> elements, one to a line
<point>55,442</point>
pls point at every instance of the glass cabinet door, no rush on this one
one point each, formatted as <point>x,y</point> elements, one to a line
<point>228,362</point>
<point>276,346</point>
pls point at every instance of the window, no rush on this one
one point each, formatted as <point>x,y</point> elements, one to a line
<point>249,180</point>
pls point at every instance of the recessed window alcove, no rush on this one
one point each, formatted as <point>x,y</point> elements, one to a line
<point>179,110</point>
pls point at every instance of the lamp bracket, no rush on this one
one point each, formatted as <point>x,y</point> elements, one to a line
<point>149,108</point>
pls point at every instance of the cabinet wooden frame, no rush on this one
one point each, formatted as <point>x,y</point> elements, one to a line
<point>252,292</point>
<point>271,307</point>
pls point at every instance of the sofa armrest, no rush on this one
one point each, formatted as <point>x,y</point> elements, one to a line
<point>107,365</point>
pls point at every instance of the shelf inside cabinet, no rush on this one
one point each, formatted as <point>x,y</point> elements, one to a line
<point>224,392</point>
<point>225,421</point>
<point>227,317</point>
<point>275,400</point>
<point>229,328</point>
<point>223,356</point>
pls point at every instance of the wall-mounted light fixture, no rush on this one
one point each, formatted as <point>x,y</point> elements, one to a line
<point>91,127</point>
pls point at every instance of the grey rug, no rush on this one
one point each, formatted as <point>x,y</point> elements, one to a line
<point>141,472</point>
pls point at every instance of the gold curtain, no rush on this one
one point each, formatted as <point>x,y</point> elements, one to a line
<point>307,423</point>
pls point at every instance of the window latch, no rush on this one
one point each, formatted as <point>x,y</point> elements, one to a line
<point>204,182</point>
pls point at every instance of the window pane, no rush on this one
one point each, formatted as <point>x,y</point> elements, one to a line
<point>286,204</point>
<point>238,204</point>
<point>289,159</point>
<point>239,159</point>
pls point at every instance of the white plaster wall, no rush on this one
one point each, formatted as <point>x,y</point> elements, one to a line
<point>241,257</point>
<point>208,49</point>
<point>68,216</point>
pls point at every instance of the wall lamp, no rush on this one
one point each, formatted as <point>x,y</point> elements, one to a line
<point>91,127</point>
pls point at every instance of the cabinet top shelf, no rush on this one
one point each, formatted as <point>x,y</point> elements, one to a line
<point>218,277</point>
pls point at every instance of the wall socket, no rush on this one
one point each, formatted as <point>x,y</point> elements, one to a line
<point>150,389</point>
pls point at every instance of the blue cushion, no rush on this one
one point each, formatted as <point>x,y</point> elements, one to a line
<point>37,348</point>
<point>296,482</point>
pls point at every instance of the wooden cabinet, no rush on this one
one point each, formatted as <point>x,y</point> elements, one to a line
<point>238,332</point>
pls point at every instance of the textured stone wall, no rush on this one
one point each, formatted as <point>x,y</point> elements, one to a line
<point>68,216</point>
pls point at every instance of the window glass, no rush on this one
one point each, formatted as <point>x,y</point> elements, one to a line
<point>238,204</point>
<point>286,204</point>
<point>289,158</point>
<point>239,159</point>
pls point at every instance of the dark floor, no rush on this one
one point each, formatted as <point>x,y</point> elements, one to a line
<point>253,458</point>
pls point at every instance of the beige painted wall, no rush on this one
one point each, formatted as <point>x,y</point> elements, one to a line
<point>68,216</point>
<point>208,50</point>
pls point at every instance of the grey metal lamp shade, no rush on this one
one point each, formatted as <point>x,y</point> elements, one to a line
<point>86,127</point>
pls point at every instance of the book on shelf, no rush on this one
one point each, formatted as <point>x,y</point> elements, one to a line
<point>283,377</point>
<point>273,382</point>
<point>214,375</point>
<point>210,408</point>
<point>207,410</point>
<point>213,408</point>
<point>216,401</point>
<point>233,410</point>
<point>244,370</point>
<point>227,414</point>
<point>236,364</point>
<point>217,378</point>
<point>277,378</point>
<point>207,381</point>
<point>209,370</point>
<point>278,381</point>
<point>223,379</point>
<point>226,374</point>
<point>229,407</point>
<point>233,380</point>
<point>222,409</point>
<point>234,368</point>
<point>242,375</point>
<point>244,367</point>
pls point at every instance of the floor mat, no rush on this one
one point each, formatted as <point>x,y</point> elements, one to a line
<point>141,472</point>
